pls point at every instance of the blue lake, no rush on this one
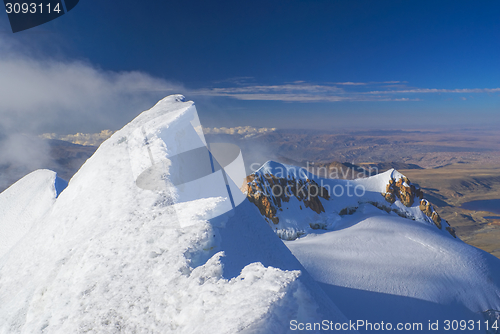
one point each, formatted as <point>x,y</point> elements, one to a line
<point>490,205</point>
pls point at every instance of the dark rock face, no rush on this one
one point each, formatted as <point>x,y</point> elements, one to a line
<point>436,219</point>
<point>348,211</point>
<point>426,207</point>
<point>451,230</point>
<point>268,192</point>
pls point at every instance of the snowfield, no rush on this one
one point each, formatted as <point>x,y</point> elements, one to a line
<point>150,236</point>
<point>384,267</point>
<point>377,266</point>
<point>24,203</point>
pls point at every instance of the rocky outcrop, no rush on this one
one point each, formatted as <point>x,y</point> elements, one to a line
<point>426,207</point>
<point>403,190</point>
<point>389,194</point>
<point>268,192</point>
<point>348,211</point>
<point>451,230</point>
<point>436,219</point>
<point>265,207</point>
<point>407,193</point>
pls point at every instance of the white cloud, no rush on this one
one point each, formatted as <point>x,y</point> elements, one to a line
<point>40,94</point>
<point>71,96</point>
<point>245,131</point>
<point>436,91</point>
<point>300,91</point>
<point>86,139</point>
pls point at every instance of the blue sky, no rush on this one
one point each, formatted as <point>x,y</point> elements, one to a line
<point>285,64</point>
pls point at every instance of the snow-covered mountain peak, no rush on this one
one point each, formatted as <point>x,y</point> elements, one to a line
<point>296,202</point>
<point>378,239</point>
<point>138,243</point>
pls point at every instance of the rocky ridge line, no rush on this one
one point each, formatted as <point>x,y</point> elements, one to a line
<point>268,194</point>
<point>407,192</point>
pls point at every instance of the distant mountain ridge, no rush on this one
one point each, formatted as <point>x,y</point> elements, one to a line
<point>351,171</point>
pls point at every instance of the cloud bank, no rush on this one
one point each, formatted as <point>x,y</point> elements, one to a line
<point>40,94</point>
<point>244,131</point>
<point>86,139</point>
<point>71,96</point>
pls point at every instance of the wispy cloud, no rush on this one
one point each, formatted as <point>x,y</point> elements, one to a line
<point>349,83</point>
<point>300,91</point>
<point>293,87</point>
<point>436,91</point>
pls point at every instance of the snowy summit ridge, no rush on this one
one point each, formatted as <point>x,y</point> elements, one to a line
<point>109,255</point>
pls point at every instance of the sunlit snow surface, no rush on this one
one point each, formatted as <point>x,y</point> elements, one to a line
<point>24,203</point>
<point>108,256</point>
<point>382,267</point>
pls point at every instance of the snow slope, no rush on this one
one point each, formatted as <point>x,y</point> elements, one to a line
<point>23,203</point>
<point>125,250</point>
<point>379,266</point>
<point>402,271</point>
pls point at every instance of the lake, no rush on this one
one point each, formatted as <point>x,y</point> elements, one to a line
<point>490,205</point>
